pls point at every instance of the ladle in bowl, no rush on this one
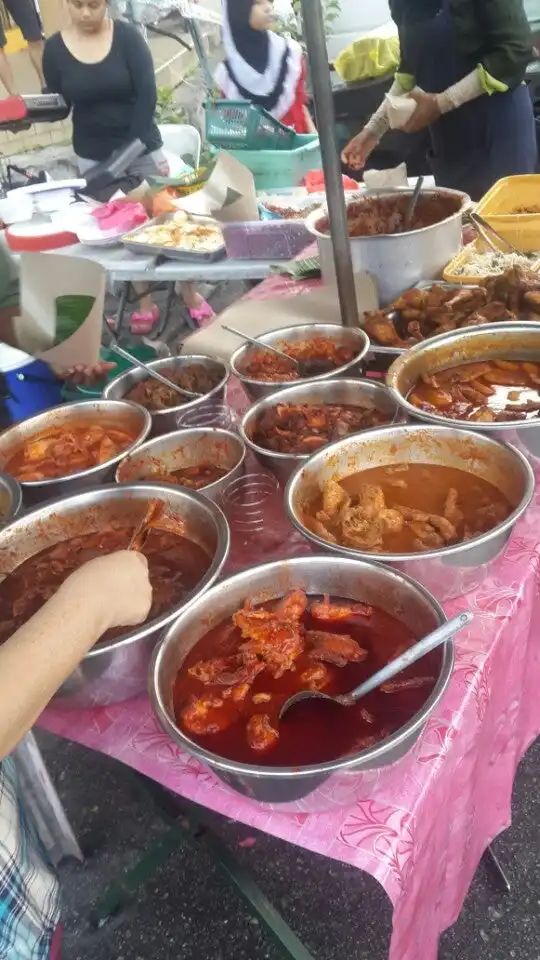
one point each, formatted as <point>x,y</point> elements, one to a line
<point>391,670</point>
<point>153,373</point>
<point>306,368</point>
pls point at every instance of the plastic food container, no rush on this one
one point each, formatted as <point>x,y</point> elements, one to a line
<point>452,274</point>
<point>265,239</point>
<point>507,196</point>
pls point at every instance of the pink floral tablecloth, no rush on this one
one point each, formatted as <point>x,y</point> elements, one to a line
<point>421,826</point>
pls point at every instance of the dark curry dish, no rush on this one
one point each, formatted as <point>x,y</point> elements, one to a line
<point>375,216</point>
<point>229,692</point>
<point>194,477</point>
<point>405,508</point>
<point>422,313</point>
<point>176,566</point>
<point>157,396</point>
<point>306,427</point>
<point>318,355</point>
<point>491,391</point>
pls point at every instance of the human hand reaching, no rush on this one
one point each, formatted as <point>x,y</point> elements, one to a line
<point>356,152</point>
<point>114,589</point>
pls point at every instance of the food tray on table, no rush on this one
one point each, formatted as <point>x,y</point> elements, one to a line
<point>456,273</point>
<point>145,239</point>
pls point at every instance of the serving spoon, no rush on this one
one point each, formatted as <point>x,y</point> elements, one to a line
<point>306,368</point>
<point>411,206</point>
<point>153,373</point>
<point>391,670</point>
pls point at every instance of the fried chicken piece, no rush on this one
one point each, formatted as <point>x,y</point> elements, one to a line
<point>261,735</point>
<point>391,520</point>
<point>380,329</point>
<point>336,648</point>
<point>314,525</point>
<point>226,671</point>
<point>360,533</point>
<point>532,299</point>
<point>316,677</point>
<point>414,683</point>
<point>334,612</point>
<point>205,715</point>
<point>483,415</point>
<point>334,498</point>
<point>371,501</point>
<point>293,606</point>
<point>451,510</point>
<point>276,641</point>
<point>531,369</point>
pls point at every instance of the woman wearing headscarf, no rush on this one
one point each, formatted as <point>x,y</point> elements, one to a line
<point>463,62</point>
<point>261,66</point>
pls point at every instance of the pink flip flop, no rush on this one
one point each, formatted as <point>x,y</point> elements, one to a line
<point>144,323</point>
<point>202,313</point>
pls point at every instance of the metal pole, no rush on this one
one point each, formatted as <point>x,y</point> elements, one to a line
<point>313,25</point>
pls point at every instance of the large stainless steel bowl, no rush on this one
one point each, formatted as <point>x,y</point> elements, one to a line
<point>400,260</point>
<point>450,571</point>
<point>354,393</point>
<point>370,582</point>
<point>165,421</point>
<point>119,415</point>
<point>115,670</point>
<point>496,341</point>
<point>346,336</point>
<point>10,498</point>
<point>187,448</point>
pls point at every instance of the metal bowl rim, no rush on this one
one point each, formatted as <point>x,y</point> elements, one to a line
<point>442,338</point>
<point>442,552</point>
<point>145,448</point>
<point>363,351</point>
<point>14,489</point>
<point>163,361</point>
<point>119,491</point>
<point>332,766</point>
<point>100,467</point>
<point>315,217</point>
<point>277,397</point>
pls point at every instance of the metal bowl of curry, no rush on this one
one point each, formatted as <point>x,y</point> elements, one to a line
<point>71,447</point>
<point>194,372</point>
<point>484,378</point>
<point>383,608</point>
<point>41,548</point>
<point>203,459</point>
<point>10,498</point>
<point>334,350</point>
<point>438,503</point>
<point>285,429</point>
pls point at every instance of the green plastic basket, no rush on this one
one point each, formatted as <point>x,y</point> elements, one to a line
<point>239,125</point>
<point>279,169</point>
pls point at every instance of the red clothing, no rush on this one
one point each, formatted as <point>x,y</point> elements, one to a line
<point>296,116</point>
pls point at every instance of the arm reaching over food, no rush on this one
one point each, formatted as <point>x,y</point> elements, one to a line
<point>39,657</point>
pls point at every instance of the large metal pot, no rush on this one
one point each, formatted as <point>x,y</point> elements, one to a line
<point>119,415</point>
<point>450,571</point>
<point>165,421</point>
<point>400,260</point>
<point>187,448</point>
<point>116,670</point>
<point>350,337</point>
<point>370,582</point>
<point>354,393</point>
<point>10,498</point>
<point>496,341</point>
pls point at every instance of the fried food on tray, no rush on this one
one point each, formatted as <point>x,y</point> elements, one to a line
<point>65,450</point>
<point>304,428</point>
<point>155,395</point>
<point>180,235</point>
<point>431,508</point>
<point>323,354</point>
<point>492,391</point>
<point>422,313</point>
<point>176,567</point>
<point>194,477</point>
<point>229,692</point>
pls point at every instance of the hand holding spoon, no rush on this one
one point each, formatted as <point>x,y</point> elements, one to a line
<point>414,653</point>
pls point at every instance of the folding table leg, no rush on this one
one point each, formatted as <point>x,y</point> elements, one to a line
<point>496,864</point>
<point>191,828</point>
<point>120,313</point>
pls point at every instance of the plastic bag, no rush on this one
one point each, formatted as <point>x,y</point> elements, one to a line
<point>367,58</point>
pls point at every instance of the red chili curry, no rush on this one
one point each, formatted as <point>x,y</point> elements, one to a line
<point>66,450</point>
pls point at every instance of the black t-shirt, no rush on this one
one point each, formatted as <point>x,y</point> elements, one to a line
<point>113,101</point>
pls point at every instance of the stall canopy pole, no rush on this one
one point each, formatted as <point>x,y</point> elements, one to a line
<point>313,25</point>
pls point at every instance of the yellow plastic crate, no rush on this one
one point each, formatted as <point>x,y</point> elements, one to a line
<point>507,196</point>
<point>450,274</point>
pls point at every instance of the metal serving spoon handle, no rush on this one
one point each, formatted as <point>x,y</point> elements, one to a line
<point>391,670</point>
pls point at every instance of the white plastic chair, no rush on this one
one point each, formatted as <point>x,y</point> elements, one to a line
<point>181,144</point>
